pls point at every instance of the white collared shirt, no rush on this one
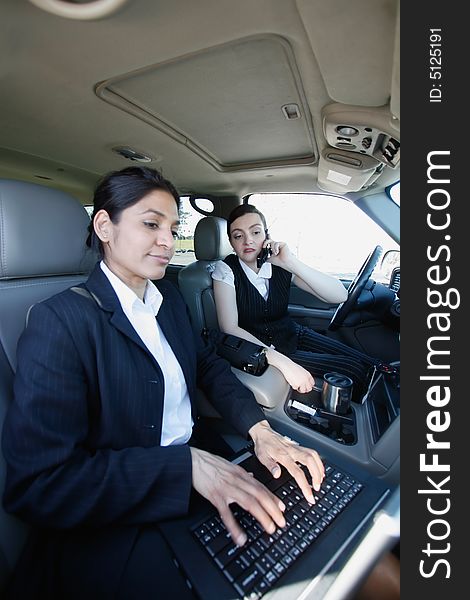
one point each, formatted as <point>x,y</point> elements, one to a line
<point>177,421</point>
<point>222,272</point>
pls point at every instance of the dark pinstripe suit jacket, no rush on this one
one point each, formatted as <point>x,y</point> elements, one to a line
<point>81,438</point>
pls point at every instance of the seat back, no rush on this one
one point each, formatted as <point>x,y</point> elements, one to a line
<point>195,282</point>
<point>42,252</point>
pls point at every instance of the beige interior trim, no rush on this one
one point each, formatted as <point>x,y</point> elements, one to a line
<point>395,85</point>
<point>342,51</point>
<point>349,50</point>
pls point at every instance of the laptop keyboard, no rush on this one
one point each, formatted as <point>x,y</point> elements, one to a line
<point>256,567</point>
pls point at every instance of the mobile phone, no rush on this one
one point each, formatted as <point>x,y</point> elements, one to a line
<point>263,256</point>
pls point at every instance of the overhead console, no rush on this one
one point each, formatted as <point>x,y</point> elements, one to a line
<point>362,141</point>
<point>371,131</point>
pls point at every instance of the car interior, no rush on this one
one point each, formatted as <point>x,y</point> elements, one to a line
<point>290,105</point>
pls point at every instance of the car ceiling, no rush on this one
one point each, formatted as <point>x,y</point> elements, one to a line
<point>203,88</point>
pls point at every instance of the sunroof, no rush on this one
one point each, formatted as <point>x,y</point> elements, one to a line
<point>217,102</point>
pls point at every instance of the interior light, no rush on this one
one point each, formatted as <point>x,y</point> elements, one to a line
<point>347,130</point>
<point>82,10</point>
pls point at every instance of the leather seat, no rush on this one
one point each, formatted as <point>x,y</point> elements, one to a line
<point>195,282</point>
<point>42,252</point>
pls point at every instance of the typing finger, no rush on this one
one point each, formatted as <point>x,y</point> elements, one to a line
<point>264,506</point>
<point>297,473</point>
<point>233,527</point>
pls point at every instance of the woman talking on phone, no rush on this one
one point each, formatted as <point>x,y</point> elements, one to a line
<point>251,289</point>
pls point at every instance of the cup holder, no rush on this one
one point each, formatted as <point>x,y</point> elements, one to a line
<point>307,410</point>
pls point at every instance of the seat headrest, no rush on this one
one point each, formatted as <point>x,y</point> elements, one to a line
<point>210,239</point>
<point>42,232</point>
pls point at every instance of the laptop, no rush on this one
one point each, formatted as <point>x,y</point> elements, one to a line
<point>324,551</point>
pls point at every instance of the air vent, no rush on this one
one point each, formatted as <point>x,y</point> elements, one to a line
<point>391,151</point>
<point>395,280</point>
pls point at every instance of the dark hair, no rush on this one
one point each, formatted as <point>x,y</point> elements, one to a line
<point>244,209</point>
<point>119,190</point>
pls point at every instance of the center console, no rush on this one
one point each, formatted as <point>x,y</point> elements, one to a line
<point>368,433</point>
<point>381,403</point>
<point>307,410</point>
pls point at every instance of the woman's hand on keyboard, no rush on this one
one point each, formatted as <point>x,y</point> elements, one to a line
<point>223,483</point>
<point>273,449</point>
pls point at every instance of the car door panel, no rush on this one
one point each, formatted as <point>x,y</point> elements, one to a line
<point>371,337</point>
<point>306,309</point>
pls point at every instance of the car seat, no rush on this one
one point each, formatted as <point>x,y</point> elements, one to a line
<point>42,252</point>
<point>195,282</point>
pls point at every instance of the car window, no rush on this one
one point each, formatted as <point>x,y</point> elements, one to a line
<point>394,193</point>
<point>189,218</point>
<point>328,233</point>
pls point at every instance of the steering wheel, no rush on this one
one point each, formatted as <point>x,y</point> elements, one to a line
<point>355,289</point>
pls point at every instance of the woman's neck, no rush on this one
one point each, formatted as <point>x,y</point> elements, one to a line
<point>137,284</point>
<point>251,265</point>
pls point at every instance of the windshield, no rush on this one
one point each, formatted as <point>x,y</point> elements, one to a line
<point>329,233</point>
